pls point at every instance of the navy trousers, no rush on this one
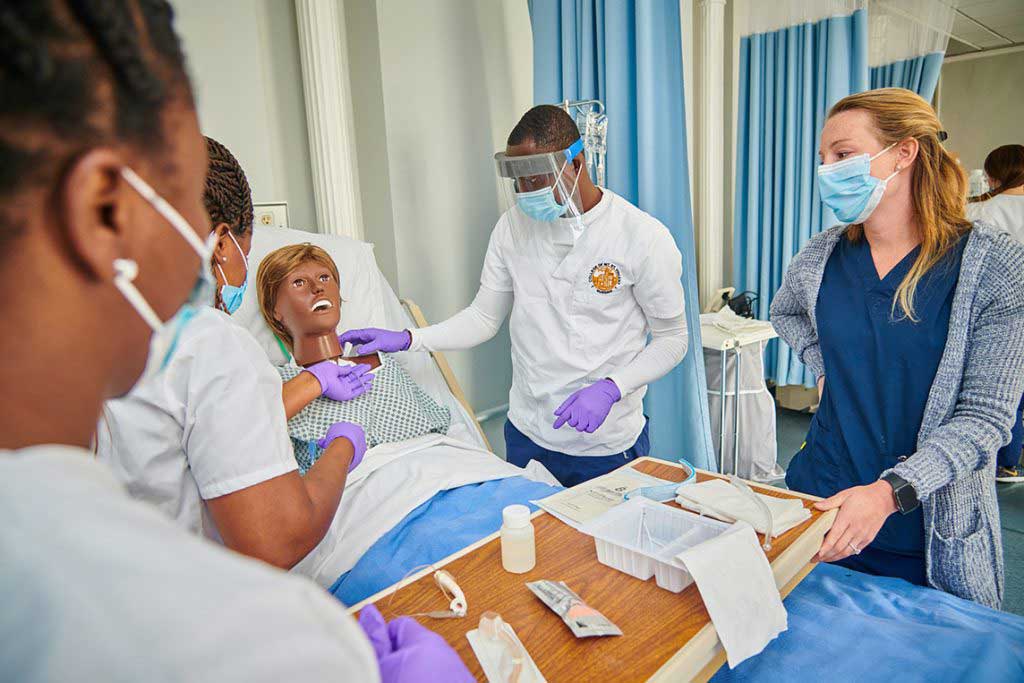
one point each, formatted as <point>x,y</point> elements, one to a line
<point>570,469</point>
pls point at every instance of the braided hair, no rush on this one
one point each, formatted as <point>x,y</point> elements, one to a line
<point>227,196</point>
<point>78,73</point>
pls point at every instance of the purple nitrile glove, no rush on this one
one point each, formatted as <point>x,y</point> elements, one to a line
<point>346,430</point>
<point>372,339</point>
<point>376,629</point>
<point>588,407</point>
<point>408,652</point>
<point>341,382</point>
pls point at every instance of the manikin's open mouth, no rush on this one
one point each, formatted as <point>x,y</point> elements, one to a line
<point>322,305</point>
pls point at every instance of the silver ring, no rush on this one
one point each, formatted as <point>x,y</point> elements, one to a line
<point>856,550</point>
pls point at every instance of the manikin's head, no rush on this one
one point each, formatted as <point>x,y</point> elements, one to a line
<point>299,293</point>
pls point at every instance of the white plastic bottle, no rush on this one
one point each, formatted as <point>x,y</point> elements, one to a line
<point>518,551</point>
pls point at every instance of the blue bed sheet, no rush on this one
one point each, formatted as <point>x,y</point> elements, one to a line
<point>445,524</point>
<point>848,626</point>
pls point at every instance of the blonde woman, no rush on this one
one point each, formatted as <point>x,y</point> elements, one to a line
<point>912,318</point>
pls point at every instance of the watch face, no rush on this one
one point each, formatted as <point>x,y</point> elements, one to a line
<point>906,499</point>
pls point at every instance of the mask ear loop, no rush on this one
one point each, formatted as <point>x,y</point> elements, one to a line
<point>572,193</point>
<point>125,271</point>
<point>169,213</point>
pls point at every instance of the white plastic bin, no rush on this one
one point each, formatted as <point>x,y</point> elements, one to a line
<point>641,538</point>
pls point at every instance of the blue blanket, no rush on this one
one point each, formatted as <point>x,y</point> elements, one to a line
<point>843,625</point>
<point>848,626</point>
<point>445,524</point>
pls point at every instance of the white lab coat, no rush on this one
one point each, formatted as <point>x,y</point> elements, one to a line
<point>582,305</point>
<point>1005,211</point>
<point>99,587</point>
<point>211,423</point>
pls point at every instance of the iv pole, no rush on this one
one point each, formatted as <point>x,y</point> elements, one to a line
<point>593,124</point>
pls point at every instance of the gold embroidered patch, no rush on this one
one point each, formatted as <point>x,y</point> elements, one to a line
<point>605,278</point>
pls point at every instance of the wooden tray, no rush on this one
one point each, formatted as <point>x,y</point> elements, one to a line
<point>666,636</point>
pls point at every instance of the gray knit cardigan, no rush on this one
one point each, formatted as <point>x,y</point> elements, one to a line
<point>971,406</point>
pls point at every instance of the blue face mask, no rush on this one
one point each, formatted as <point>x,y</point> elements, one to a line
<point>540,205</point>
<point>230,295</point>
<point>848,188</point>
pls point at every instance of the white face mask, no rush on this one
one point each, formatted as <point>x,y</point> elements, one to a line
<point>165,333</point>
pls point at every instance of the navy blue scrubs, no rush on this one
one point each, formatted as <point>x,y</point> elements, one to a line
<point>879,369</point>
<point>571,469</point>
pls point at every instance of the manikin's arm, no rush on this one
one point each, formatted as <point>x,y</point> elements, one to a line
<point>299,392</point>
<point>337,382</point>
<point>471,326</point>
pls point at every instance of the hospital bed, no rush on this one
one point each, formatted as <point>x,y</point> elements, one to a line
<point>455,479</point>
<point>842,625</point>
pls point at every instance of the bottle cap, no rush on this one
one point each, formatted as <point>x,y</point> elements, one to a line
<point>515,516</point>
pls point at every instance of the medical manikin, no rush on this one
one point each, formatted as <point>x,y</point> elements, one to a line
<point>301,300</point>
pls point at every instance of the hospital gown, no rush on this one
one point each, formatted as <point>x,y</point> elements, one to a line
<point>395,409</point>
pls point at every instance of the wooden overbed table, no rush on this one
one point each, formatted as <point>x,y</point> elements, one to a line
<point>666,636</point>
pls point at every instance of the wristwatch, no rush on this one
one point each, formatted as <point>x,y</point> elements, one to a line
<point>903,492</point>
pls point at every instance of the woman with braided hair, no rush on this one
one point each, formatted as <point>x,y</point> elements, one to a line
<point>229,203</point>
<point>206,440</point>
<point>102,239</point>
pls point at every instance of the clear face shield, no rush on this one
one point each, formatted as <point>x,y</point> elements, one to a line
<point>541,190</point>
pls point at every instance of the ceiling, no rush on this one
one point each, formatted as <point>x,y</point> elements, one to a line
<point>986,25</point>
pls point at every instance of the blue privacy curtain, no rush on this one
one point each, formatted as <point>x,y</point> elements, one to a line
<point>628,54</point>
<point>907,41</point>
<point>920,74</point>
<point>788,79</point>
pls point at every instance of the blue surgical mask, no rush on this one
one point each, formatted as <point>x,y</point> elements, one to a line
<point>541,205</point>
<point>166,333</point>
<point>848,188</point>
<point>230,295</point>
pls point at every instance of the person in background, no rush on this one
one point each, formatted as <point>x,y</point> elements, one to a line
<point>1003,207</point>
<point>913,319</point>
<point>104,256</point>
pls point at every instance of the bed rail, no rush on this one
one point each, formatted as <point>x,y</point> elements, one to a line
<point>416,313</point>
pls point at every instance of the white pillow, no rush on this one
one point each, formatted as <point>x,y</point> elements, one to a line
<point>359,279</point>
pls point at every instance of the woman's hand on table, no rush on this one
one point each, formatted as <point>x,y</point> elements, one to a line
<point>862,511</point>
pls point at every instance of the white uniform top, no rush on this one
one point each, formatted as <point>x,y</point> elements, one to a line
<point>581,309</point>
<point>98,587</point>
<point>211,423</point>
<point>1004,211</point>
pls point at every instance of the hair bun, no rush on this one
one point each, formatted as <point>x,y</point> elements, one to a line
<point>942,135</point>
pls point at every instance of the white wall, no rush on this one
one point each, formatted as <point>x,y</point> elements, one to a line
<point>982,104</point>
<point>244,62</point>
<point>436,92</point>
